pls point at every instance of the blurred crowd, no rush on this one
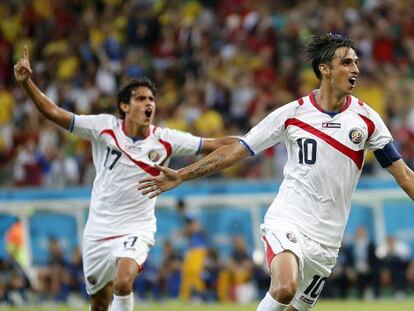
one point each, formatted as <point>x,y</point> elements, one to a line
<point>219,66</point>
<point>198,272</point>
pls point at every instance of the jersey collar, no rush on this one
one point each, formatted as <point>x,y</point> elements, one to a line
<point>330,113</point>
<point>135,139</point>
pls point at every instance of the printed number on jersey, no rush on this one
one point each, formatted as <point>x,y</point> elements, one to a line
<point>112,156</point>
<point>130,242</point>
<point>307,150</point>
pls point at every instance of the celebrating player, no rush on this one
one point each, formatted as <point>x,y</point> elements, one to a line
<point>326,134</point>
<point>121,224</point>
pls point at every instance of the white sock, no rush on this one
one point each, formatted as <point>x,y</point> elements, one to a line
<point>270,304</point>
<point>122,303</point>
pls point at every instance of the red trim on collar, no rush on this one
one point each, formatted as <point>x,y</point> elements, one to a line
<point>147,133</point>
<point>316,105</point>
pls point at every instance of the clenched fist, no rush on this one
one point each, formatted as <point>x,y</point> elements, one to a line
<point>22,70</point>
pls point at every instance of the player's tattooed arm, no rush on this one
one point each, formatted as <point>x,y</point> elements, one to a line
<point>216,161</point>
<point>205,167</point>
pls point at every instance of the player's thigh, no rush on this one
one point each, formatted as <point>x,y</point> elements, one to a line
<point>98,264</point>
<point>284,253</point>
<point>134,247</point>
<point>284,270</point>
<point>318,264</point>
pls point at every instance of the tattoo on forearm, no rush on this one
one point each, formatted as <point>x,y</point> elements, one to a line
<point>208,166</point>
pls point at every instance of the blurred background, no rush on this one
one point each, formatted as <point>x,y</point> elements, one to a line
<point>220,66</point>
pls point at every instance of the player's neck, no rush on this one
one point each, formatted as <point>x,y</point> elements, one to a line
<point>329,100</point>
<point>134,130</point>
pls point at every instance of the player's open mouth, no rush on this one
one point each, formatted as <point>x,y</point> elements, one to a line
<point>352,81</point>
<point>148,112</point>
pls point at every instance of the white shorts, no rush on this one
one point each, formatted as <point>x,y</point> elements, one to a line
<point>99,258</point>
<point>315,261</point>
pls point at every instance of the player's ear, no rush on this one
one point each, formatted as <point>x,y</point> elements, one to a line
<point>124,107</point>
<point>324,69</point>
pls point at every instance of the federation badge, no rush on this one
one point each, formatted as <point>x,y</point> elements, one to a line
<point>291,237</point>
<point>154,155</point>
<point>356,135</point>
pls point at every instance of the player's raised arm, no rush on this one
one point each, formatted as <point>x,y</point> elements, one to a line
<point>218,160</point>
<point>23,73</point>
<point>403,175</point>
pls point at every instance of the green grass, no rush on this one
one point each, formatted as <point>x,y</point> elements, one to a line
<point>407,305</point>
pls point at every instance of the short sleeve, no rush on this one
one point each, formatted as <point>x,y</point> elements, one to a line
<point>182,143</point>
<point>269,131</point>
<point>90,127</point>
<point>381,136</point>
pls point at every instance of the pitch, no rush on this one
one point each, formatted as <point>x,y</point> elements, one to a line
<point>346,305</point>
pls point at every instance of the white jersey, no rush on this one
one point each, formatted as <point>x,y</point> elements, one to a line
<point>325,158</point>
<point>117,207</point>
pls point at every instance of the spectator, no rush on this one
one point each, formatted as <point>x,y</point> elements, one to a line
<point>54,278</point>
<point>366,264</point>
<point>194,259</point>
<point>169,272</point>
<point>396,262</point>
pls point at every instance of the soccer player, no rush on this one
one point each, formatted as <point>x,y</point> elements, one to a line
<point>326,134</point>
<point>121,224</point>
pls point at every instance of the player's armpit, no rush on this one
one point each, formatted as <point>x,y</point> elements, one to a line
<point>403,175</point>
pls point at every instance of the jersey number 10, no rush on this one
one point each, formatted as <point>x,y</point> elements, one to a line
<point>307,150</point>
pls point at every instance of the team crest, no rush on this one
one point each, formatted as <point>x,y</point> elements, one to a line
<point>356,135</point>
<point>291,237</point>
<point>154,155</point>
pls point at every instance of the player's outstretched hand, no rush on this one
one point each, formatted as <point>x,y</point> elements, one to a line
<point>22,70</point>
<point>154,186</point>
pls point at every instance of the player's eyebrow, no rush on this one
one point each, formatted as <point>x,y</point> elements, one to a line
<point>143,97</point>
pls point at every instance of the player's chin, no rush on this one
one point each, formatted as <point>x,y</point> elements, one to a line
<point>146,122</point>
<point>349,90</point>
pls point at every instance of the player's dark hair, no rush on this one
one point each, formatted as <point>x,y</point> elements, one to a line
<point>321,49</point>
<point>124,94</point>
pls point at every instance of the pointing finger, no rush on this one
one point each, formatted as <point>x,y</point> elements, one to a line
<point>26,53</point>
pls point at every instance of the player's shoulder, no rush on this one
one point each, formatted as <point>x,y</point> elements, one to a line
<point>160,132</point>
<point>290,108</point>
<point>97,121</point>
<point>106,119</point>
<point>360,107</point>
<point>164,132</point>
